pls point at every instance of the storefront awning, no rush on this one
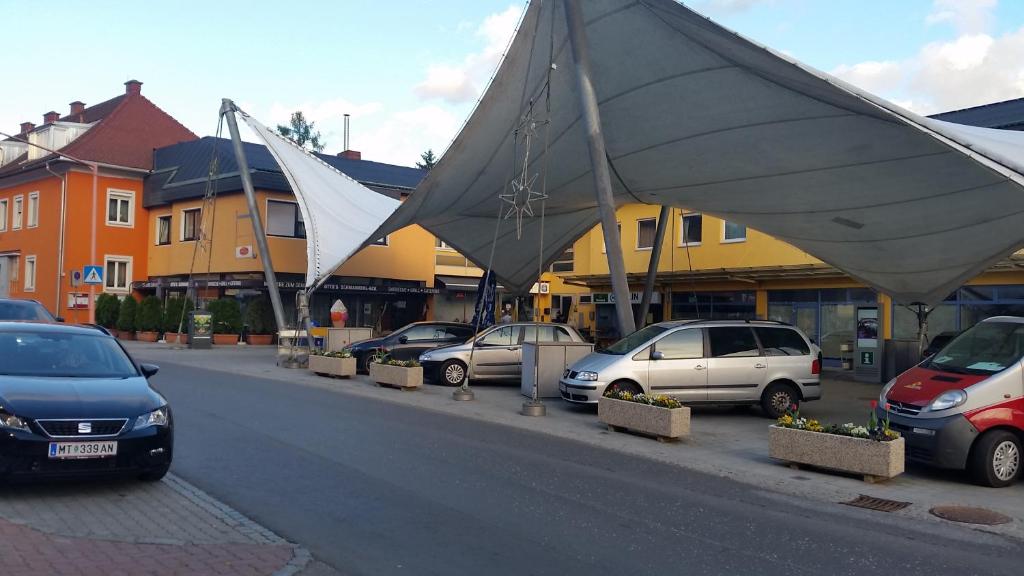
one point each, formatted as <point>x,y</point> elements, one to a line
<point>460,283</point>
<point>699,117</point>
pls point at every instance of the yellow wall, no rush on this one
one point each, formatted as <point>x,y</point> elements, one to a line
<point>408,255</point>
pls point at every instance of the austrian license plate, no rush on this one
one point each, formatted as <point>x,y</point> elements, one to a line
<point>82,449</point>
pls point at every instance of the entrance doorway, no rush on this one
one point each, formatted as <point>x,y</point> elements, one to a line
<point>5,276</point>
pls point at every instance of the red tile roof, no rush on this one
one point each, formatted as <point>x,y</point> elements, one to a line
<point>129,128</point>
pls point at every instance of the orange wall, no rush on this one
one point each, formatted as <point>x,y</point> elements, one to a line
<point>44,241</point>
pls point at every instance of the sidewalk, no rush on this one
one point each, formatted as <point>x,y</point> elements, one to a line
<point>729,442</point>
<point>129,527</point>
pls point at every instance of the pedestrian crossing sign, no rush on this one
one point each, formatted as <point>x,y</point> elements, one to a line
<point>92,275</point>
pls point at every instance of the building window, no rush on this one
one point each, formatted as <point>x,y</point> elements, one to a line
<point>565,262</point>
<point>285,219</point>
<point>19,210</point>
<point>30,273</point>
<point>163,230</point>
<point>190,220</point>
<point>33,209</point>
<point>118,272</point>
<point>120,208</point>
<point>645,232</point>
<point>380,241</point>
<point>733,232</point>
<point>3,215</point>
<point>692,230</point>
<point>438,243</point>
<point>605,248</point>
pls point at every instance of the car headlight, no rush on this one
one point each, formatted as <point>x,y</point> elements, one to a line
<point>424,358</point>
<point>8,420</point>
<point>947,400</point>
<point>157,417</point>
<point>882,401</point>
<point>585,375</point>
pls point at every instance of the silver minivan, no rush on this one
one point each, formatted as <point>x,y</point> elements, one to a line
<point>704,362</point>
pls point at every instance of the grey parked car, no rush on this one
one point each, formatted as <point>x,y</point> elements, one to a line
<point>497,354</point>
<point>704,361</point>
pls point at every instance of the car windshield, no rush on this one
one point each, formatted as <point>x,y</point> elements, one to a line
<point>986,348</point>
<point>13,310</point>
<point>629,343</point>
<point>28,353</point>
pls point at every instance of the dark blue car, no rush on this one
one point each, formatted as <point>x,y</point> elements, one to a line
<point>73,402</point>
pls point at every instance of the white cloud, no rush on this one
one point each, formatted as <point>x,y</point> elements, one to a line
<point>464,81</point>
<point>323,112</point>
<point>971,69</point>
<point>404,135</point>
<point>967,16</point>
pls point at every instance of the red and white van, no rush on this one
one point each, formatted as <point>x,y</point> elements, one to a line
<point>964,406</point>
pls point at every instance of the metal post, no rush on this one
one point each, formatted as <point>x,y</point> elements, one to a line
<point>652,267</point>
<point>227,109</point>
<point>92,245</point>
<point>599,163</point>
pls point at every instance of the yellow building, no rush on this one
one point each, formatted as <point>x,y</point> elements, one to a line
<point>211,241</point>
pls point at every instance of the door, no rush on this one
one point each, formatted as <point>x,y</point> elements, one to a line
<point>5,276</point>
<point>497,353</point>
<point>678,367</point>
<point>736,368</point>
<point>410,343</point>
<point>806,319</point>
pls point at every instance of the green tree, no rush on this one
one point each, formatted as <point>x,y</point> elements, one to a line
<point>149,315</point>
<point>227,316</point>
<point>428,160</point>
<point>126,315</point>
<point>259,316</point>
<point>302,132</point>
<point>107,310</point>
<point>176,312</point>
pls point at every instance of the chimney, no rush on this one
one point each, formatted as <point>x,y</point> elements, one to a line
<point>133,87</point>
<point>351,155</point>
<point>50,117</point>
<point>77,109</point>
<point>27,127</point>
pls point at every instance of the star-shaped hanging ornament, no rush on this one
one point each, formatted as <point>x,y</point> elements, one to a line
<point>522,192</point>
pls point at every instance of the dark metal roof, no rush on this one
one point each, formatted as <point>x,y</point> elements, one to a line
<point>180,171</point>
<point>1008,115</point>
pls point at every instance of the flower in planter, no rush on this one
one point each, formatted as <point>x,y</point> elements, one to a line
<point>875,430</point>
<point>336,354</point>
<point>660,401</point>
<point>403,363</point>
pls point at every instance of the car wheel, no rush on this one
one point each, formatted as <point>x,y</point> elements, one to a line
<point>155,474</point>
<point>364,363</point>
<point>624,386</point>
<point>996,459</point>
<point>453,373</point>
<point>777,399</point>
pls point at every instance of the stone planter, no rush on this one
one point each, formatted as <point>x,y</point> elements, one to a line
<point>260,339</point>
<point>225,339</point>
<point>869,458</point>
<point>176,337</point>
<point>125,335</point>
<point>147,336</point>
<point>396,376</point>
<point>665,424</point>
<point>328,366</point>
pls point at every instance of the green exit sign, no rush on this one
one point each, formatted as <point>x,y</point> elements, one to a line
<point>867,358</point>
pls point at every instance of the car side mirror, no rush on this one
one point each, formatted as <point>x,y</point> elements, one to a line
<point>403,339</point>
<point>657,355</point>
<point>149,370</point>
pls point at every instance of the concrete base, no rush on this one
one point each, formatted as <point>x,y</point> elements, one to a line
<point>869,458</point>
<point>463,395</point>
<point>532,408</point>
<point>668,423</point>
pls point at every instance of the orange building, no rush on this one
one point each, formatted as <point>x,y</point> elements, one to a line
<point>62,212</point>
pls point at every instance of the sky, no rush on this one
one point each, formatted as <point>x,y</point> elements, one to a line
<point>409,71</point>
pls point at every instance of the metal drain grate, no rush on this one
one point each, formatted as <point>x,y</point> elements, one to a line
<point>880,504</point>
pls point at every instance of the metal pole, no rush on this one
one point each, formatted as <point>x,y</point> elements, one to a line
<point>227,109</point>
<point>599,163</point>
<point>652,268</point>
<point>92,246</point>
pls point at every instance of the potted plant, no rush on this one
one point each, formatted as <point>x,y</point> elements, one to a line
<point>662,417</point>
<point>259,316</point>
<point>873,451</point>
<point>403,374</point>
<point>126,318</point>
<point>176,315</point>
<point>148,319</point>
<point>108,307</point>
<point>226,320</point>
<point>340,364</point>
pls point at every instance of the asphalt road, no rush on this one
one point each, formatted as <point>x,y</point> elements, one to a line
<point>376,488</point>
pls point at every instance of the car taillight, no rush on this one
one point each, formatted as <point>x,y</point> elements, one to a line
<point>816,366</point>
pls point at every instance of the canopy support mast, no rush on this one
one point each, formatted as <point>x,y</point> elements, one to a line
<point>227,109</point>
<point>599,163</point>
<point>652,267</point>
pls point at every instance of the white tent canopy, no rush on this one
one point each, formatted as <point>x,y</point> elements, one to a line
<point>696,116</point>
<point>338,212</point>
